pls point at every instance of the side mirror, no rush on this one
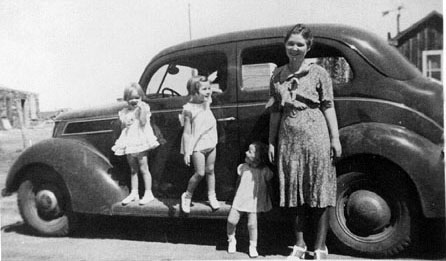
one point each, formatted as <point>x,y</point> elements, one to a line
<point>173,69</point>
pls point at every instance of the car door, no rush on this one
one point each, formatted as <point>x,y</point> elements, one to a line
<point>256,60</point>
<point>167,94</point>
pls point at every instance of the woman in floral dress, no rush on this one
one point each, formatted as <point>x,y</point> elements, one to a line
<point>304,132</point>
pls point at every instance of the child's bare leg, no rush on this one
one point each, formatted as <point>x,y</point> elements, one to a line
<point>133,163</point>
<point>199,165</point>
<point>210,174</point>
<point>233,219</point>
<point>252,228</point>
<point>144,168</point>
<point>210,178</point>
<point>199,162</point>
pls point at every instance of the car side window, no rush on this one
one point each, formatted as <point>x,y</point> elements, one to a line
<point>338,68</point>
<point>258,63</point>
<point>170,79</point>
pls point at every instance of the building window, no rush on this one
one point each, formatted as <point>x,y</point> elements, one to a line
<point>432,64</point>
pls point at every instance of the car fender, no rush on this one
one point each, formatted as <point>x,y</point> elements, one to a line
<point>421,159</point>
<point>85,171</point>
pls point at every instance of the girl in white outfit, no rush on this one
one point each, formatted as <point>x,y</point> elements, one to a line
<point>136,139</point>
<point>251,196</point>
<point>199,140</point>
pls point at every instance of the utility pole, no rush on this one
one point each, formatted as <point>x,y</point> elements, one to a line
<point>398,15</point>
<point>190,26</point>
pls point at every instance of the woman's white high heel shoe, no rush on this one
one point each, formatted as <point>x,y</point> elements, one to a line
<point>321,254</point>
<point>298,253</point>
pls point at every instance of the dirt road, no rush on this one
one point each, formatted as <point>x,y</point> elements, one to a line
<point>119,238</point>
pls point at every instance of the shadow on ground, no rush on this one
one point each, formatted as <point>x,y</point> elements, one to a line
<point>274,238</point>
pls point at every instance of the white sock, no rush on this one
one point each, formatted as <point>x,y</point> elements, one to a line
<point>252,243</point>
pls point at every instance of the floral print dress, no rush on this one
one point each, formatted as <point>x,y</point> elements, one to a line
<point>306,172</point>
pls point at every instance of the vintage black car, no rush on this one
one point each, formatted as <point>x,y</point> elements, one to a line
<point>390,177</point>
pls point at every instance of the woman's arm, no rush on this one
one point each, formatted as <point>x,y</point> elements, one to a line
<point>187,137</point>
<point>332,122</point>
<point>274,121</point>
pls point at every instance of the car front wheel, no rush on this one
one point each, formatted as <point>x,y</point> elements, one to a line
<point>373,215</point>
<point>43,206</point>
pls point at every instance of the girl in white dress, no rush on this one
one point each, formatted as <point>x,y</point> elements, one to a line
<point>251,196</point>
<point>136,139</point>
<point>199,140</point>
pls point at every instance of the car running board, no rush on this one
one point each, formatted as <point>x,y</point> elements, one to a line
<point>166,207</point>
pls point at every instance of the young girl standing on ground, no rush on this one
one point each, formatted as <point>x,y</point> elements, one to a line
<point>136,139</point>
<point>251,196</point>
<point>199,140</point>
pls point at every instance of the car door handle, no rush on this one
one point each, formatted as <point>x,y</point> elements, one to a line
<point>227,119</point>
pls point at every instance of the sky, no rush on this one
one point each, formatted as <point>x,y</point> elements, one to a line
<point>82,53</point>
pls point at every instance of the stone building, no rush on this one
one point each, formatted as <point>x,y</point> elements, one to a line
<point>11,101</point>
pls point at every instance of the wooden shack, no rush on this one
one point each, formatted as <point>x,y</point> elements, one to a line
<point>422,44</point>
<point>13,104</point>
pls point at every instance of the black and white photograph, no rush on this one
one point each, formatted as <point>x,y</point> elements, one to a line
<point>222,130</point>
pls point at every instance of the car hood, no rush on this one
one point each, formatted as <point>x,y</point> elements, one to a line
<point>109,110</point>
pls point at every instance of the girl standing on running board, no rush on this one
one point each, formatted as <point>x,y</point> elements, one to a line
<point>199,140</point>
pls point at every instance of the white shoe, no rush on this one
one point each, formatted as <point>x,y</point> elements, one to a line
<point>298,253</point>
<point>253,252</point>
<point>147,198</point>
<point>130,198</point>
<point>320,254</point>
<point>213,202</point>
<point>232,245</point>
<point>185,203</point>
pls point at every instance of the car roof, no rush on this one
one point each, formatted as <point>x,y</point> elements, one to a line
<point>370,46</point>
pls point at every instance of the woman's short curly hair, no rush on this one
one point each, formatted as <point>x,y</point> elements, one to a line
<point>302,30</point>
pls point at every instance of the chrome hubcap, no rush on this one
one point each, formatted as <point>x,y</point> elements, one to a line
<point>46,201</point>
<point>367,212</point>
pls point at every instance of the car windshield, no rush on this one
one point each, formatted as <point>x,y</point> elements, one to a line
<point>174,74</point>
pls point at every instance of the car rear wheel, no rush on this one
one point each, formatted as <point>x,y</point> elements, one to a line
<point>373,214</point>
<point>43,206</point>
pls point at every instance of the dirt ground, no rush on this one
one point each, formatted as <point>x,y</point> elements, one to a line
<point>119,238</point>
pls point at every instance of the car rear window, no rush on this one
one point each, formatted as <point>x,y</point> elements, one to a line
<point>380,54</point>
